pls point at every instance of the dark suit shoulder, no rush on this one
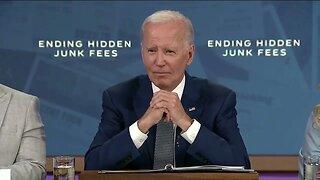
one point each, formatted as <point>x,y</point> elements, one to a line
<point>125,86</point>
<point>210,87</point>
<point>125,91</point>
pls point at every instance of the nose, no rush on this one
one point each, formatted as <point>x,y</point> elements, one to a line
<point>160,60</point>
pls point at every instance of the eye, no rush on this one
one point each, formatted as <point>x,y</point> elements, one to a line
<point>170,52</point>
<point>151,51</point>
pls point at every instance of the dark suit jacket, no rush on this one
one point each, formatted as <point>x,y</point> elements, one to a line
<point>218,141</point>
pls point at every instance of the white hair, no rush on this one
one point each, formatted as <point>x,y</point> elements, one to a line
<point>168,15</point>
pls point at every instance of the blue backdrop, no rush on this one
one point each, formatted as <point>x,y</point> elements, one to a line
<point>275,94</point>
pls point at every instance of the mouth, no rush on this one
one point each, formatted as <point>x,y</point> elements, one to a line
<point>161,73</point>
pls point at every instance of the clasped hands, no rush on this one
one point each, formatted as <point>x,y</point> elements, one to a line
<point>168,103</point>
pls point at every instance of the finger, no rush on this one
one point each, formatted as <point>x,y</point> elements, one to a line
<point>155,99</point>
<point>165,94</point>
<point>161,96</point>
<point>155,103</point>
<point>160,105</point>
<point>168,117</point>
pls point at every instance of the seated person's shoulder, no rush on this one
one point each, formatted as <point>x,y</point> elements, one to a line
<point>211,88</point>
<point>16,94</point>
<point>128,85</point>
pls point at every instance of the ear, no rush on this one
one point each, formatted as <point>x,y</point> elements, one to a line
<point>190,54</point>
<point>141,49</point>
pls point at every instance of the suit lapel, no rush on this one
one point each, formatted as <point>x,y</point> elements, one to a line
<point>141,101</point>
<point>192,98</point>
<point>4,103</point>
<point>142,96</point>
<point>192,101</point>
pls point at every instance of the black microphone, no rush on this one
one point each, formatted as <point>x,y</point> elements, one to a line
<point>168,167</point>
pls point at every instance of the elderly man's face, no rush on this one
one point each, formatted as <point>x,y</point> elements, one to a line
<point>165,53</point>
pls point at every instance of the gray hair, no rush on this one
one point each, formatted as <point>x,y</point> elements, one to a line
<point>168,15</point>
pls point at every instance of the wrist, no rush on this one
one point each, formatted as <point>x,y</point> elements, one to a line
<point>143,126</point>
<point>186,124</point>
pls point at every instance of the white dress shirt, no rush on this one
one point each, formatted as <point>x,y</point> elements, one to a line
<point>190,135</point>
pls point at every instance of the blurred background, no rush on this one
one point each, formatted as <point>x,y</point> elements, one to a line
<point>275,95</point>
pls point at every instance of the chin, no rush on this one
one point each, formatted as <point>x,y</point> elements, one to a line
<point>161,82</point>
<point>160,85</point>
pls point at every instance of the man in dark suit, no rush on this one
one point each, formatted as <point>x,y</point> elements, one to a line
<point>203,114</point>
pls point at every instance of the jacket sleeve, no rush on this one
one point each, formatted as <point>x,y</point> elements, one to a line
<point>223,144</point>
<point>112,146</point>
<point>31,157</point>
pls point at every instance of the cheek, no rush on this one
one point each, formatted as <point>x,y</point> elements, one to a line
<point>179,64</point>
<point>147,62</point>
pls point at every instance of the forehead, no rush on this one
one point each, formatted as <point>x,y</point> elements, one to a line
<point>165,31</point>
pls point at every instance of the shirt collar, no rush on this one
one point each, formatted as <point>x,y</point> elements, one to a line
<point>179,89</point>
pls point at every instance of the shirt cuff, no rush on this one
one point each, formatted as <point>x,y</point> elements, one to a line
<point>136,135</point>
<point>192,132</point>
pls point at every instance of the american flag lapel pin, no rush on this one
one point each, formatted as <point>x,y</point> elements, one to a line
<point>192,109</point>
